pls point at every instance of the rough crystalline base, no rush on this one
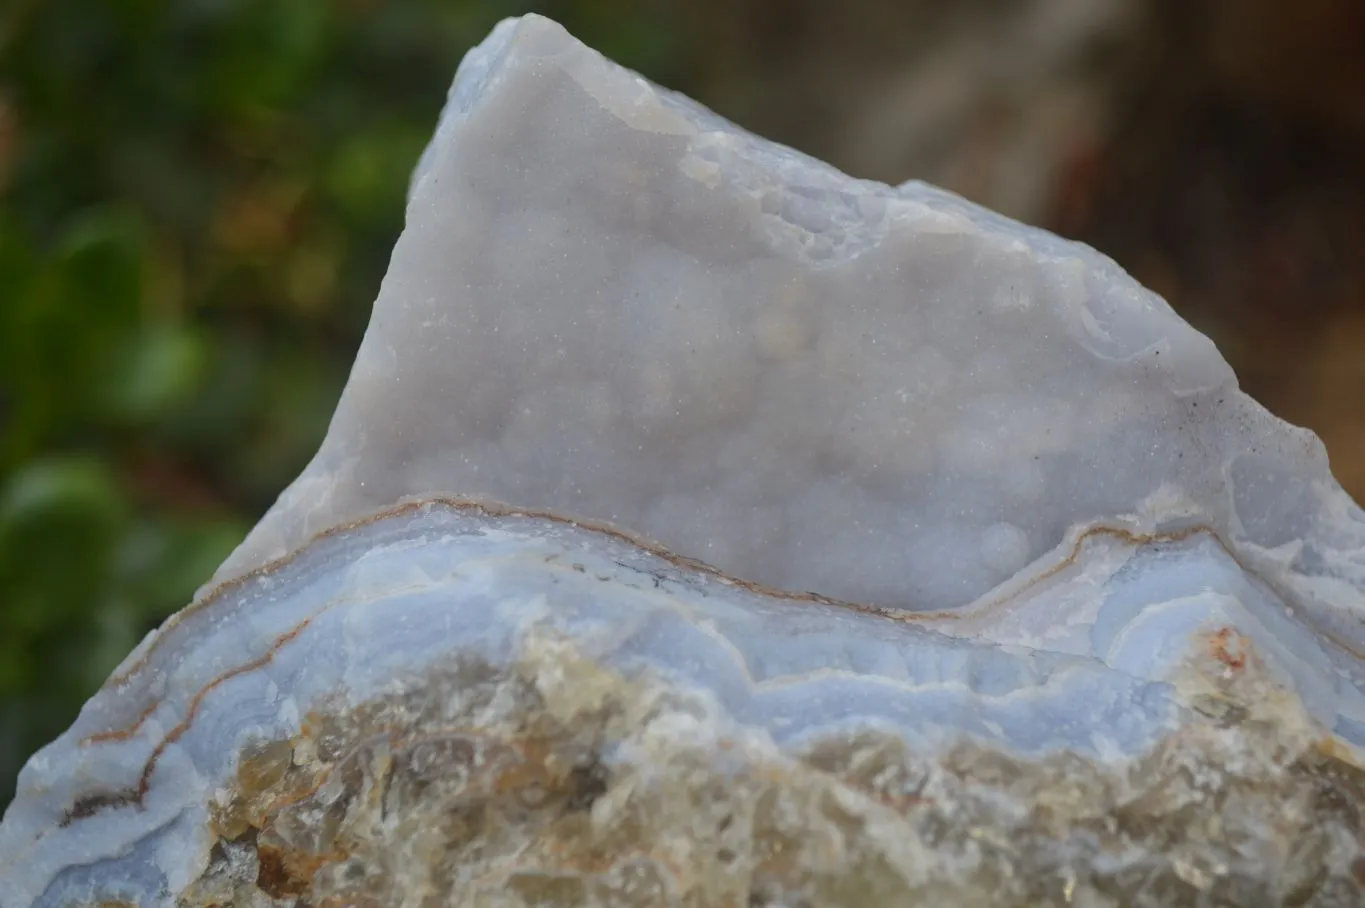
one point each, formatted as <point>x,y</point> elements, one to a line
<point>558,783</point>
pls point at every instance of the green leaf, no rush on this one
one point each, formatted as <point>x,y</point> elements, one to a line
<point>59,519</point>
<point>368,175</point>
<point>153,372</point>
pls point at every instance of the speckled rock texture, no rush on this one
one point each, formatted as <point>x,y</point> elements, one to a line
<point>703,527</point>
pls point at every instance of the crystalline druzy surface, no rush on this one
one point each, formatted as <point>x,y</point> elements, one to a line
<point>701,526</point>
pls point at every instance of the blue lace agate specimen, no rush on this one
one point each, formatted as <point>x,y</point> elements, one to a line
<point>701,526</point>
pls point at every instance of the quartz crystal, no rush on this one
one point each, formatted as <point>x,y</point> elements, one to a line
<point>701,526</point>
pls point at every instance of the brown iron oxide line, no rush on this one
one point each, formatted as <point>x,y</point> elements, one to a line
<point>1123,535</point>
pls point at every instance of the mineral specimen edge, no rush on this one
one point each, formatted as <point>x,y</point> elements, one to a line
<point>1084,623</point>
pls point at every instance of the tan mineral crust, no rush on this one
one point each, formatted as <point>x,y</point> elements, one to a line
<point>486,788</point>
<point>703,527</point>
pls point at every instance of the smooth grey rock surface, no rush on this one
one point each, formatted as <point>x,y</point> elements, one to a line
<point>611,303</point>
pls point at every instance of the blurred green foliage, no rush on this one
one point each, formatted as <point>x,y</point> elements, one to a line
<point>197,203</point>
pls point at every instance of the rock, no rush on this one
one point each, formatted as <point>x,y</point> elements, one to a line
<point>701,526</point>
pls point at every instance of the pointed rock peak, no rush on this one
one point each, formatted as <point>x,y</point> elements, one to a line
<point>611,303</point>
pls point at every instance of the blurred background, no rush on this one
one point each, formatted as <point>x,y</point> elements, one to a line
<point>198,199</point>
